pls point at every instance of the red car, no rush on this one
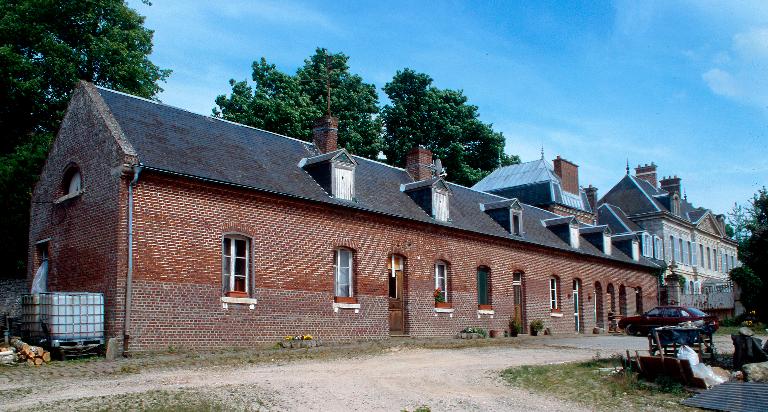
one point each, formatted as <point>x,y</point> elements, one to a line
<point>665,316</point>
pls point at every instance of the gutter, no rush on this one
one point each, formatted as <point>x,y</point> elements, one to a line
<point>129,278</point>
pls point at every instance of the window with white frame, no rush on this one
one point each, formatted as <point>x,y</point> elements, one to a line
<point>441,281</point>
<point>709,258</point>
<point>517,222</point>
<point>657,248</point>
<point>672,251</point>
<point>701,255</point>
<point>647,245</point>
<point>714,259</point>
<point>343,273</point>
<point>554,302</point>
<point>680,251</point>
<point>694,260</point>
<point>235,263</point>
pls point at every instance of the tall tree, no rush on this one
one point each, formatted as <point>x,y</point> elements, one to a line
<point>46,46</point>
<point>288,104</point>
<point>443,121</point>
<point>753,253</point>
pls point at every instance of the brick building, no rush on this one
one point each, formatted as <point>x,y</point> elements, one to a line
<point>203,232</point>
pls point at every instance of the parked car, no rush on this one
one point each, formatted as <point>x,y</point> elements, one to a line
<point>665,316</point>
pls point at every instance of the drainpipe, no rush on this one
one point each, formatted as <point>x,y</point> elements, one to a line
<point>129,279</point>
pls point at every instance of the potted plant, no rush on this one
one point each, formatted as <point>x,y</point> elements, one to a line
<point>515,327</point>
<point>440,299</point>
<point>536,327</point>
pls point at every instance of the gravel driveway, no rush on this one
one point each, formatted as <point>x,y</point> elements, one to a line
<point>400,378</point>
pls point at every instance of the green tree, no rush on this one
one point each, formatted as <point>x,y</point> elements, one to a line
<point>753,253</point>
<point>288,104</point>
<point>46,46</point>
<point>442,121</point>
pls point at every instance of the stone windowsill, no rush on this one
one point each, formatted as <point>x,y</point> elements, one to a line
<point>355,306</point>
<point>226,301</point>
<point>444,310</point>
<point>486,312</point>
<point>556,314</point>
<point>67,197</point>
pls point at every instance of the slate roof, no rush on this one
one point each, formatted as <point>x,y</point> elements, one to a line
<point>532,182</point>
<point>614,217</point>
<point>171,140</point>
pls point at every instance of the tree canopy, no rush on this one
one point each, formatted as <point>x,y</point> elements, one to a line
<point>45,48</point>
<point>753,253</point>
<point>288,104</point>
<point>443,121</point>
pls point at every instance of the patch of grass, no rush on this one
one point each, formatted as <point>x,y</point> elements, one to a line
<point>219,399</point>
<point>586,384</point>
<point>758,328</point>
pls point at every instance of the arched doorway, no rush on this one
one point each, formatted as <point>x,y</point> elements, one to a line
<point>577,312</point>
<point>396,281</point>
<point>517,292</point>
<point>599,309</point>
<point>611,298</point>
<point>622,301</point>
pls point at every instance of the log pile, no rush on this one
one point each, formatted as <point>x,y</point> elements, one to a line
<point>19,351</point>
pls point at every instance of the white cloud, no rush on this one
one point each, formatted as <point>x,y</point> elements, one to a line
<point>741,76</point>
<point>721,82</point>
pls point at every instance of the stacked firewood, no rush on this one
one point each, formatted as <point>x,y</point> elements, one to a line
<point>32,355</point>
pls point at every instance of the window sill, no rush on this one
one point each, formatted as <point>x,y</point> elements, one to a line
<point>481,312</point>
<point>443,305</point>
<point>226,300</point>
<point>485,307</point>
<point>340,305</point>
<point>557,314</point>
<point>68,197</point>
<point>344,299</point>
<point>444,310</point>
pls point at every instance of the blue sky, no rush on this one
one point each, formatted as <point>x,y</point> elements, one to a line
<point>682,84</point>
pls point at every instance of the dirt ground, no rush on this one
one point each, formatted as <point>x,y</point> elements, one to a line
<point>389,376</point>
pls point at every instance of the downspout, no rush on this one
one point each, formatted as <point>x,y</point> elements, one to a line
<point>129,279</point>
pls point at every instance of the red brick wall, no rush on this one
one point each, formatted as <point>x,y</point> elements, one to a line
<point>569,174</point>
<point>179,226</point>
<point>86,232</point>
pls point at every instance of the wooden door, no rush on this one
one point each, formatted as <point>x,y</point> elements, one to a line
<point>396,301</point>
<point>517,291</point>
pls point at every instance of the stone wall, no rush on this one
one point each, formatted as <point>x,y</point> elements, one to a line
<point>10,293</point>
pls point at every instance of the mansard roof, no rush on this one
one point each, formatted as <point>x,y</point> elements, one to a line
<point>174,141</point>
<point>616,219</point>
<point>534,183</point>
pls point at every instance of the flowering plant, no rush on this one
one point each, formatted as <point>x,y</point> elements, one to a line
<point>298,337</point>
<point>439,297</point>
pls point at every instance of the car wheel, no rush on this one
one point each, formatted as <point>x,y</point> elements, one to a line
<point>630,330</point>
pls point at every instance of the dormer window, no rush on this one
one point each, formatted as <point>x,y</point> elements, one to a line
<point>598,236</point>
<point>334,172</point>
<point>566,228</point>
<point>432,195</point>
<point>507,213</point>
<point>72,183</point>
<point>607,244</point>
<point>675,205</point>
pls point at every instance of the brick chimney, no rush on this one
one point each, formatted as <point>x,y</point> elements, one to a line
<point>325,132</point>
<point>671,184</point>
<point>418,162</point>
<point>591,193</point>
<point>647,173</point>
<point>568,173</point>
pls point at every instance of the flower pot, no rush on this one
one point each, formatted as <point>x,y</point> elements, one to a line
<point>534,332</point>
<point>442,305</point>
<point>485,307</point>
<point>236,294</point>
<point>513,333</point>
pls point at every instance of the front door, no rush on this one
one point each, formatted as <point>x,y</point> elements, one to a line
<point>517,291</point>
<point>577,304</point>
<point>396,306</point>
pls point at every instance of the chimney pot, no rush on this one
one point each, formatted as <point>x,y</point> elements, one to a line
<point>325,133</point>
<point>591,193</point>
<point>418,163</point>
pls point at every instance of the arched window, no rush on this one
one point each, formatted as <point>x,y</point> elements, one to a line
<point>395,276</point>
<point>343,273</point>
<point>441,281</point>
<point>622,300</point>
<point>73,181</point>
<point>483,286</point>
